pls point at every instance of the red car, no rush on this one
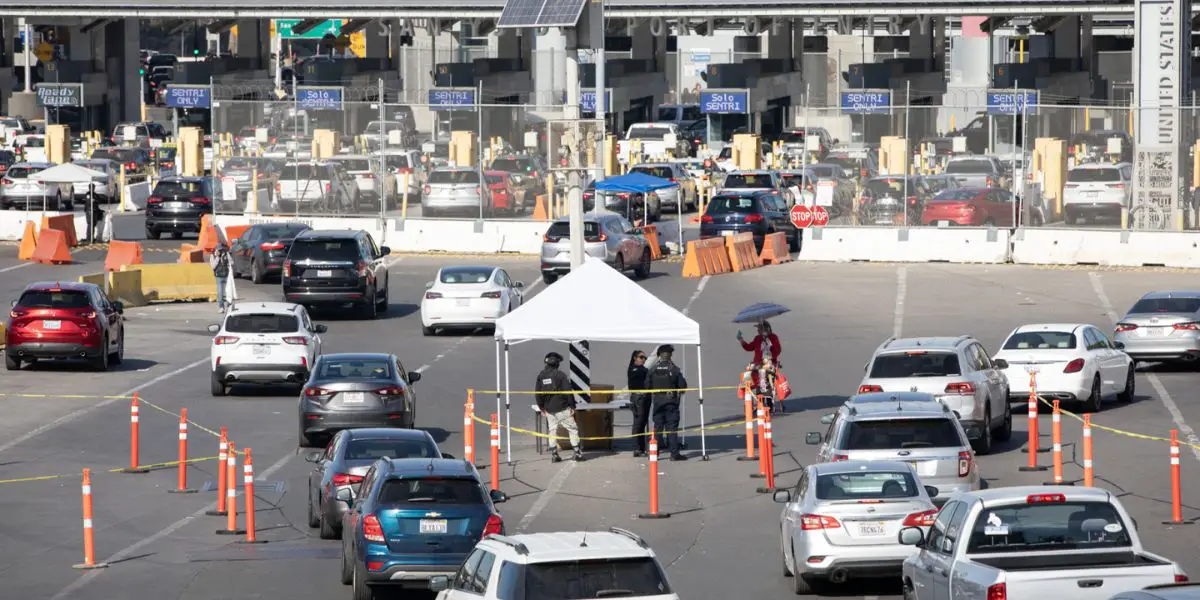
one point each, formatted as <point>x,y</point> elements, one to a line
<point>504,197</point>
<point>54,320</point>
<point>971,206</point>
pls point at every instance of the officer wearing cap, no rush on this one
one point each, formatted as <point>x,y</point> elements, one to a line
<point>666,376</point>
<point>557,403</point>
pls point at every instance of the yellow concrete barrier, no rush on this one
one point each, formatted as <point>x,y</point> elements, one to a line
<point>126,287</point>
<point>96,278</point>
<point>177,282</point>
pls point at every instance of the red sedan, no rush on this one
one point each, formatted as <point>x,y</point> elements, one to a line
<point>504,197</point>
<point>971,206</point>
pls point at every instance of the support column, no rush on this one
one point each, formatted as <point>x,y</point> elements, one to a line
<point>927,39</point>
<point>253,41</point>
<point>121,43</point>
<point>550,64</point>
<point>1066,38</point>
<point>780,40</point>
<point>375,38</point>
<point>8,31</point>
<point>1162,74</point>
<point>508,43</point>
<point>1087,48</point>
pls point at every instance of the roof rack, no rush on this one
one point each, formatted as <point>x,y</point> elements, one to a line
<point>960,339</point>
<point>631,535</point>
<point>887,342</point>
<point>503,539</point>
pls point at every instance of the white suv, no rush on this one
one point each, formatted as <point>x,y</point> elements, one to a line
<point>263,343</point>
<point>958,371</point>
<point>575,564</point>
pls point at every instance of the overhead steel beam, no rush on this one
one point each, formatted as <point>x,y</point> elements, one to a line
<point>94,24</point>
<point>306,25</point>
<point>991,24</point>
<point>221,25</point>
<point>355,25</point>
<point>1047,24</point>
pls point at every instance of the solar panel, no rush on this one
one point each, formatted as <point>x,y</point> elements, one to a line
<point>541,13</point>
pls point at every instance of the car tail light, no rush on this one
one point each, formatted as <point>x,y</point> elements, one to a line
<point>404,171</point>
<point>368,176</point>
<point>1117,186</point>
<point>296,340</point>
<point>862,173</point>
<point>150,200</point>
<point>869,389</point>
<point>494,526</point>
<point>374,565</point>
<point>754,218</point>
<point>1071,186</point>
<point>1074,366</point>
<point>964,463</point>
<point>362,268</point>
<point>328,188</point>
<point>425,189</point>
<point>432,295</point>
<point>16,313</point>
<point>316,392</point>
<point>912,200</point>
<point>706,219</point>
<point>989,181</point>
<point>271,245</point>
<point>961,388</point>
<point>997,592</point>
<point>1045,498</point>
<point>340,479</point>
<point>839,457</point>
<point>921,519</point>
<point>202,200</point>
<point>260,174</point>
<point>603,237</point>
<point>287,268</point>
<point>278,188</point>
<point>372,531</point>
<point>225,340</point>
<point>1181,578</point>
<point>1187,326</point>
<point>390,390</point>
<point>1125,327</point>
<point>491,295</point>
<point>91,314</point>
<point>130,166</point>
<point>7,181</point>
<point>814,522</point>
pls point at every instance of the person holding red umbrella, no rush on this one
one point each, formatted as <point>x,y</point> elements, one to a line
<point>765,366</point>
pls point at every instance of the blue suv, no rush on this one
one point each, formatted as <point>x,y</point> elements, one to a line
<point>413,519</point>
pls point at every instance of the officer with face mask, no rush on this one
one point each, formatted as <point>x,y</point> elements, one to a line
<point>557,403</point>
<point>666,376</point>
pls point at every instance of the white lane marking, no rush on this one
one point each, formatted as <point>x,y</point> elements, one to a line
<point>128,551</point>
<point>67,418</point>
<point>1189,434</point>
<point>15,267</point>
<point>699,290</point>
<point>420,369</point>
<point>901,292</point>
<point>556,484</point>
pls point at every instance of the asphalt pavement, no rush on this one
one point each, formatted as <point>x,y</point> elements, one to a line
<point>722,539</point>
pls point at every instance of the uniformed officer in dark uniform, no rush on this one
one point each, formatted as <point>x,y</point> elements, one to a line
<point>638,401</point>
<point>667,376</point>
<point>95,217</point>
<point>558,405</point>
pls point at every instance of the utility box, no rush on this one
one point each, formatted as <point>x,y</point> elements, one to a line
<point>58,144</point>
<point>190,152</point>
<point>1053,152</point>
<point>324,144</point>
<point>894,156</point>
<point>463,149</point>
<point>747,152</point>
<point>611,163</point>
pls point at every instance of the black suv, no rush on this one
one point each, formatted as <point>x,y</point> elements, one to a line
<point>337,268</point>
<point>177,204</point>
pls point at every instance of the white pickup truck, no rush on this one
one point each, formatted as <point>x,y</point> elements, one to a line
<point>656,139</point>
<point>1059,542</point>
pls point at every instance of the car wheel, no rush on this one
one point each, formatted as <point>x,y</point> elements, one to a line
<point>787,568</point>
<point>360,590</point>
<point>643,269</point>
<point>549,278</point>
<point>256,273</point>
<point>907,591</point>
<point>1005,432</point>
<point>370,310</point>
<point>800,585</point>
<point>118,357</point>
<point>382,301</point>
<point>305,441</point>
<point>427,330</point>
<point>1126,394</point>
<point>11,363</point>
<point>177,235</point>
<point>984,444</point>
<point>347,569</point>
<point>313,520</point>
<point>327,530</point>
<point>100,363</point>
<point>217,387</point>
<point>152,233</point>
<point>619,264</point>
<point>1092,404</point>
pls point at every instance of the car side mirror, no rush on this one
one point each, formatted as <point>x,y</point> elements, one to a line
<point>429,285</point>
<point>498,496</point>
<point>214,328</point>
<point>1119,345</point>
<point>13,303</point>
<point>911,536</point>
<point>1000,363</point>
<point>932,491</point>
<point>384,251</point>
<point>783,496</point>
<point>519,285</point>
<point>813,438</point>
<point>320,328</point>
<point>120,308</point>
<point>414,377</point>
<point>439,583</point>
<point>448,456</point>
<point>826,419</point>
<point>345,495</point>
<point>313,457</point>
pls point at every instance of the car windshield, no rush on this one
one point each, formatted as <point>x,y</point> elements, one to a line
<point>563,230</point>
<point>748,180</point>
<point>1041,340</point>
<point>792,137</point>
<point>660,172</point>
<point>1160,305</point>
<point>175,189</point>
<point>324,250</point>
<point>648,133</point>
<point>969,166</point>
<point>732,204</point>
<point>866,485</point>
<point>466,275</point>
<point>1093,175</point>
<point>915,364</point>
<point>431,490</point>
<point>303,172</point>
<point>356,164</point>
<point>367,368</point>
<point>1048,526</point>
<point>262,323</point>
<point>579,579</point>
<point>372,449</point>
<point>23,172</point>
<point>397,161</point>
<point>33,142</point>
<point>956,195</point>
<point>54,299</point>
<point>900,433</point>
<point>667,113</point>
<point>453,176</point>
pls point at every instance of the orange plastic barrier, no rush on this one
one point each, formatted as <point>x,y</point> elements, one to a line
<point>706,257</point>
<point>540,212</point>
<point>775,249</point>
<point>122,254</point>
<point>233,232</point>
<point>742,255</point>
<point>651,233</point>
<point>208,234</point>
<point>52,248</point>
<point>28,241</point>
<point>194,255</point>
<point>65,224</point>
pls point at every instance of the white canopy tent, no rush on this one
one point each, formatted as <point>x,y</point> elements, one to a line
<point>68,173</point>
<point>595,303</point>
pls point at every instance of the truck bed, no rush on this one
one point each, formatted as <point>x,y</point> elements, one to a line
<point>1087,560</point>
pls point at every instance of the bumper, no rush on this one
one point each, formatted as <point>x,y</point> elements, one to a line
<point>451,316</point>
<point>333,422</point>
<point>52,350</point>
<point>303,295</point>
<point>560,262</point>
<point>261,373</point>
<point>173,223</point>
<point>444,203</point>
<point>1152,349</point>
<point>29,201</point>
<point>409,576</point>
<point>867,564</point>
<point>1093,208</point>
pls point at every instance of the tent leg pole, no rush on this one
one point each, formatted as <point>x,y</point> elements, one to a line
<point>683,400</point>
<point>498,388</point>
<point>700,381</point>
<point>507,406</point>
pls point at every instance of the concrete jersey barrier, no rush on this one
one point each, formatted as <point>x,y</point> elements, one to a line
<point>1116,248</point>
<point>159,282</point>
<point>922,244</point>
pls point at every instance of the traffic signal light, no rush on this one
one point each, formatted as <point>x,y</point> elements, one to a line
<point>196,52</point>
<point>141,71</point>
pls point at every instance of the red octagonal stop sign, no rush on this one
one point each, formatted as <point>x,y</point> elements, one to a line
<point>820,216</point>
<point>801,215</point>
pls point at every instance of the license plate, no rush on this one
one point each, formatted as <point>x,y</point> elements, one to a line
<point>353,397</point>
<point>727,233</point>
<point>463,302</point>
<point>175,205</point>
<point>433,526</point>
<point>51,324</point>
<point>262,350</point>
<point>324,273</point>
<point>925,468</point>
<point>872,529</point>
<point>943,223</point>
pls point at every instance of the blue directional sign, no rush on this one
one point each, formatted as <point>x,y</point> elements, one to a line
<point>452,99</point>
<point>1012,102</point>
<point>867,102</point>
<point>724,102</point>
<point>189,96</point>
<point>587,101</point>
<point>311,97</point>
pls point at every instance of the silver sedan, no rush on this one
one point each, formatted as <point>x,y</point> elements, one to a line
<point>1162,326</point>
<point>842,519</point>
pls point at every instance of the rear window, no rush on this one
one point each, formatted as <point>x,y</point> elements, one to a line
<point>116,155</point>
<point>733,204</point>
<point>356,164</point>
<point>667,113</point>
<point>884,187</point>
<point>23,172</point>
<point>917,364</point>
<point>246,162</point>
<point>1048,526</point>
<point>1041,340</point>
<point>325,250</point>
<point>866,485</point>
<point>900,433</point>
<point>512,165</point>
<point>822,172</point>
<point>648,133</point>
<point>748,180</point>
<point>451,177</point>
<point>282,231</point>
<point>390,448</point>
<point>354,369</point>
<point>431,490</point>
<point>262,323</point>
<point>1160,305</point>
<point>466,275</point>
<point>660,172</point>
<point>303,172</point>
<point>59,299</point>
<point>173,189</point>
<point>956,195</point>
<point>34,142</point>
<point>938,184</point>
<point>397,161</point>
<point>970,166</point>
<point>563,230</point>
<point>496,178</point>
<point>1093,175</point>
<point>845,162</point>
<point>608,578</point>
<point>792,137</point>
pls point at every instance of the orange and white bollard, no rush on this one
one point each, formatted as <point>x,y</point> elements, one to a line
<point>248,491</point>
<point>469,428</point>
<point>760,420</point>
<point>1056,440</point>
<point>181,486</point>
<point>1032,445</point>
<point>222,459</point>
<point>89,540</point>
<point>748,408</point>
<point>654,474</point>
<point>1087,451</point>
<point>768,451</point>
<point>1176,482</point>
<point>495,451</point>
<point>134,437</point>
<point>231,494</point>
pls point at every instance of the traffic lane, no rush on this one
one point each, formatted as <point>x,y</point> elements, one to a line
<point>16,274</point>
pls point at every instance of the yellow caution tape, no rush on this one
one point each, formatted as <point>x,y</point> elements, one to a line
<point>548,436</point>
<point>141,401</point>
<point>611,392</point>
<point>160,465</point>
<point>1114,430</point>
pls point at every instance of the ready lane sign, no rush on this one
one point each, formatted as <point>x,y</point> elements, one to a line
<point>453,99</point>
<point>587,101</point>
<point>318,97</point>
<point>867,102</point>
<point>58,95</point>
<point>725,102</point>
<point>189,96</point>
<point>1012,102</point>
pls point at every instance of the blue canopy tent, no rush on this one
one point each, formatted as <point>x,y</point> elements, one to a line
<point>640,183</point>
